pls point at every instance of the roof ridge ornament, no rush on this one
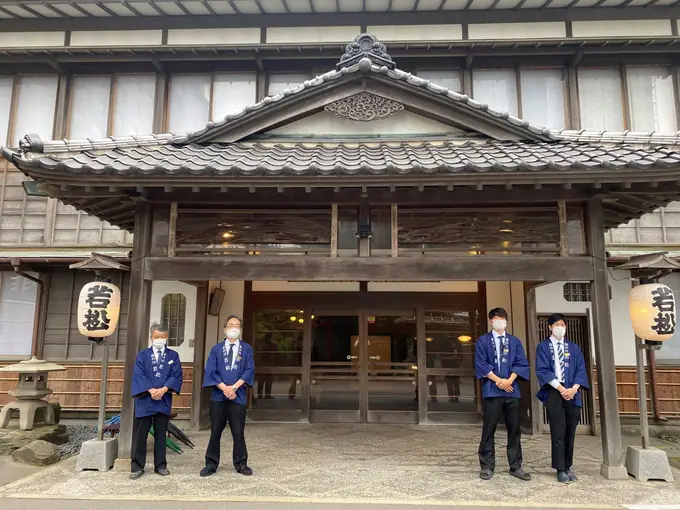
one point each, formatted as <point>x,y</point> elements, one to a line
<point>365,46</point>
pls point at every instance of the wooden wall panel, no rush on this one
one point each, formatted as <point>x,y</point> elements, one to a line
<point>77,388</point>
<point>24,220</point>
<point>668,389</point>
<point>62,340</point>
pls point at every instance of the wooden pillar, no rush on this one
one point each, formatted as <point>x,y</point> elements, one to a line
<point>532,342</point>
<point>612,449</point>
<point>306,376</point>
<point>202,296</point>
<point>421,346</point>
<point>138,321</point>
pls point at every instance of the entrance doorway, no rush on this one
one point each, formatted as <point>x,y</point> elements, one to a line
<point>364,367</point>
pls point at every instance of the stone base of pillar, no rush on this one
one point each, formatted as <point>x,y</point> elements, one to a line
<point>613,472</point>
<point>98,455</point>
<point>123,465</point>
<point>648,464</point>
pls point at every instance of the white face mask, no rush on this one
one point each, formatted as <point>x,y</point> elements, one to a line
<point>559,332</point>
<point>233,333</point>
<point>499,325</point>
<point>159,343</point>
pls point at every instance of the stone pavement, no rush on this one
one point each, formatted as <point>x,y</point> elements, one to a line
<point>359,464</point>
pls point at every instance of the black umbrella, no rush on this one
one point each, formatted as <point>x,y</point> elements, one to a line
<point>181,436</point>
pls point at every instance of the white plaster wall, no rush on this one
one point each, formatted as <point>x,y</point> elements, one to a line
<point>500,31</point>
<point>160,289</point>
<point>31,39</point>
<point>550,299</point>
<point>422,286</point>
<point>622,28</point>
<point>219,36</point>
<point>387,33</point>
<point>303,35</point>
<point>327,123</point>
<point>117,38</point>
<point>232,304</point>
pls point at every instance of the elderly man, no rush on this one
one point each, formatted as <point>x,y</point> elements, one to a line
<point>229,369</point>
<point>157,374</point>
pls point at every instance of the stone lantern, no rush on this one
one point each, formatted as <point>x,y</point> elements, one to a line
<point>29,393</point>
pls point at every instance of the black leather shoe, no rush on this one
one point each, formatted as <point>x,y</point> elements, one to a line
<point>245,471</point>
<point>485,474</point>
<point>162,472</point>
<point>207,472</point>
<point>521,474</point>
<point>136,474</point>
<point>562,477</point>
<point>572,476</point>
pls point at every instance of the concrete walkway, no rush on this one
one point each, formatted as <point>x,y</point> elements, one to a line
<point>359,465</point>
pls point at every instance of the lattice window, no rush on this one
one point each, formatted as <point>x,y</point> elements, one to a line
<point>174,313</point>
<point>576,292</point>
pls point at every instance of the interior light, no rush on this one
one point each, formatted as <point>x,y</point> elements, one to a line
<point>506,230</point>
<point>464,339</point>
<point>227,235</point>
<point>301,321</point>
<point>429,339</point>
<point>293,318</point>
<point>507,221</point>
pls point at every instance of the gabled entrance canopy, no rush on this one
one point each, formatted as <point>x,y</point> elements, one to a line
<point>364,128</point>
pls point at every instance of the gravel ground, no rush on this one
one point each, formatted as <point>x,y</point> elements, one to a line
<point>77,434</point>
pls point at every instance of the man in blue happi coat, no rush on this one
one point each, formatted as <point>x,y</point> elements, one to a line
<point>561,372</point>
<point>499,362</point>
<point>156,376</point>
<point>230,369</point>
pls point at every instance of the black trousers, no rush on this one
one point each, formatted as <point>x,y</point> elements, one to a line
<point>563,417</point>
<point>494,408</point>
<point>140,433</point>
<point>234,414</point>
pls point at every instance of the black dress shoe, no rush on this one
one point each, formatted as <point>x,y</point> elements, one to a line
<point>521,474</point>
<point>245,471</point>
<point>562,477</point>
<point>485,474</point>
<point>136,474</point>
<point>207,472</point>
<point>162,472</point>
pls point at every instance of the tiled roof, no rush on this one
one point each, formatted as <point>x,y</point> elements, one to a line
<point>329,159</point>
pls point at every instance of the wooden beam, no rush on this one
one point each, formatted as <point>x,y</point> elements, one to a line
<point>394,252</point>
<point>138,321</point>
<point>532,342</point>
<point>564,234</point>
<point>334,230</point>
<point>172,229</point>
<point>612,447</point>
<point>417,268</point>
<point>199,355</point>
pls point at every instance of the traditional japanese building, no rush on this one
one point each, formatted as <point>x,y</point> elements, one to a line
<point>361,206</point>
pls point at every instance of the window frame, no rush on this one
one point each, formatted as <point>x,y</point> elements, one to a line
<point>112,99</point>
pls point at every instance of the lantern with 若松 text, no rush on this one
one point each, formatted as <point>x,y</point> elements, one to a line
<point>652,311</point>
<point>98,309</point>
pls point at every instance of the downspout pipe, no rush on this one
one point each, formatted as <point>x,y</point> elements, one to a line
<point>16,265</point>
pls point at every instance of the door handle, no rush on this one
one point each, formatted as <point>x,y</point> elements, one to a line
<point>377,358</point>
<point>352,357</point>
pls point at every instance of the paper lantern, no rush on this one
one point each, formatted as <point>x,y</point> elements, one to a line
<point>98,309</point>
<point>652,311</point>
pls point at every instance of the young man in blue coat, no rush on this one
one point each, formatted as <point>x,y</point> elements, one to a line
<point>156,376</point>
<point>229,371</point>
<point>561,372</point>
<point>499,362</point>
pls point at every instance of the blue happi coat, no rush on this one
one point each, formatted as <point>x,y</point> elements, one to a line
<point>513,361</point>
<point>216,371</point>
<point>574,368</point>
<point>167,373</point>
